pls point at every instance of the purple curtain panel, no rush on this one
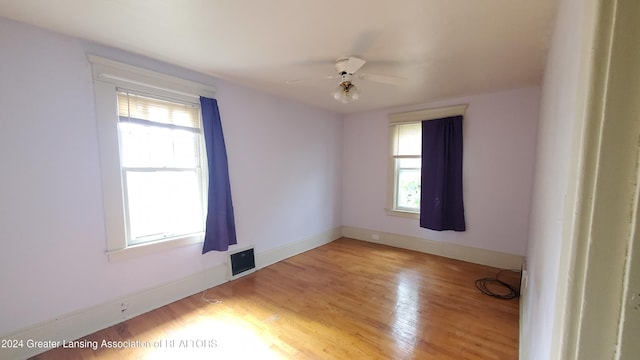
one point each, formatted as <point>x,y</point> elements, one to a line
<point>220,228</point>
<point>441,203</point>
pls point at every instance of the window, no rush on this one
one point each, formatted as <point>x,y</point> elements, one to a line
<point>405,129</point>
<point>152,158</point>
<point>161,162</point>
<point>407,144</point>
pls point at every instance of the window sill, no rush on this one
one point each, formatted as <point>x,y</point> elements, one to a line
<point>404,214</point>
<point>153,247</point>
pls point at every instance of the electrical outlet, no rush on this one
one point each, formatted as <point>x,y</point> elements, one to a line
<point>124,306</point>
<point>375,237</point>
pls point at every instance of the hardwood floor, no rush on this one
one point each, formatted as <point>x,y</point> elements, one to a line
<point>345,300</point>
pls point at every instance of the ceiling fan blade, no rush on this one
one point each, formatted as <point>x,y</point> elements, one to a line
<point>354,64</point>
<point>385,79</point>
<point>312,78</point>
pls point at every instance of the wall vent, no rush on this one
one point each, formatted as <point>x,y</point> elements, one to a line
<point>242,262</point>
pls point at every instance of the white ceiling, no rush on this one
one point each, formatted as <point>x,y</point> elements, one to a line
<point>443,48</point>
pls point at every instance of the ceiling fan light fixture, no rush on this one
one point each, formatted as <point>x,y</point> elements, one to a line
<point>346,92</point>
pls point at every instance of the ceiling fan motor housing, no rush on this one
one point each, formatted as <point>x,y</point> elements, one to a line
<point>345,77</point>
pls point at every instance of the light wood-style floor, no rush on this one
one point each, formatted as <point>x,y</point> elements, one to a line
<point>345,300</point>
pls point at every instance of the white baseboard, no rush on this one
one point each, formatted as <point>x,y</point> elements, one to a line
<point>525,342</point>
<point>87,321</point>
<point>453,251</point>
<point>278,254</point>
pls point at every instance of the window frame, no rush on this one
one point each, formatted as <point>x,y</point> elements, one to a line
<point>108,77</point>
<point>410,117</point>
<point>396,179</point>
<point>126,171</point>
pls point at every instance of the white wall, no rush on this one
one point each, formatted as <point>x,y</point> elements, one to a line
<point>549,252</point>
<point>499,147</point>
<point>285,163</point>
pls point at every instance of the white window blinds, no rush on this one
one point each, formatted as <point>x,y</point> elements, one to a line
<point>407,139</point>
<point>135,106</point>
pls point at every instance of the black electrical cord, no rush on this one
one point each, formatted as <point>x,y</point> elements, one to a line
<point>511,293</point>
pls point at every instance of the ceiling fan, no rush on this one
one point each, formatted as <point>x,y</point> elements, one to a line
<point>347,91</point>
<point>347,67</point>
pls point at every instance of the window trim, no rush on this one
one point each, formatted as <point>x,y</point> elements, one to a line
<point>108,76</point>
<point>411,117</point>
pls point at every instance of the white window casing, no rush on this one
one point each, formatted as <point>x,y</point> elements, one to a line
<point>109,76</point>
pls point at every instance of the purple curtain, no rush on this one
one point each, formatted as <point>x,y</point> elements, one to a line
<point>220,230</point>
<point>441,205</point>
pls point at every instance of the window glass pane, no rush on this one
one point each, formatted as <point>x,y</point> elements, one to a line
<point>157,147</point>
<point>409,139</point>
<point>414,163</point>
<point>163,204</point>
<point>408,192</point>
